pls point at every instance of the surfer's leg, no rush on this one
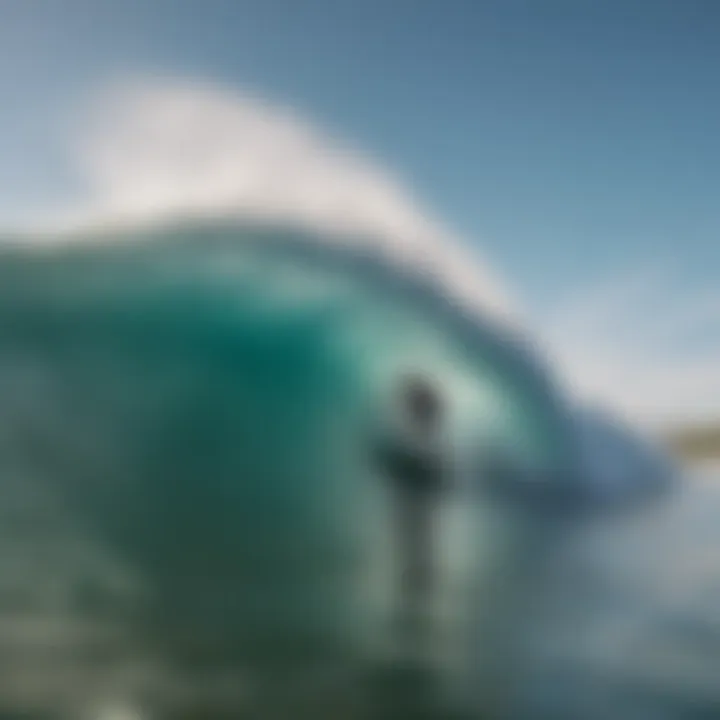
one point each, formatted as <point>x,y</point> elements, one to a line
<point>414,538</point>
<point>419,547</point>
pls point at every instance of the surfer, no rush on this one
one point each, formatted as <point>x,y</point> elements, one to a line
<point>413,463</point>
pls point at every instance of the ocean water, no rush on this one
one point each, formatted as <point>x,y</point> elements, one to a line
<point>624,620</point>
<point>191,521</point>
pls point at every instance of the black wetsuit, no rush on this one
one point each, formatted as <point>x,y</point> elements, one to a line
<point>416,469</point>
<point>416,475</point>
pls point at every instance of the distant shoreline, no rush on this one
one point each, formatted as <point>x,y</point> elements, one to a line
<point>702,466</point>
<point>697,445</point>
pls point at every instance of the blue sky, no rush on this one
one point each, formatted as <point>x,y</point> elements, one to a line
<point>576,142</point>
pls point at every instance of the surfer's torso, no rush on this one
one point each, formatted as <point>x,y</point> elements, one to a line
<point>412,461</point>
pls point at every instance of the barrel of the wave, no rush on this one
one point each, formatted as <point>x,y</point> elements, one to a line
<point>229,471</point>
<point>216,445</point>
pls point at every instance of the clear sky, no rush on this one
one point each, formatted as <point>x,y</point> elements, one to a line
<point>576,142</point>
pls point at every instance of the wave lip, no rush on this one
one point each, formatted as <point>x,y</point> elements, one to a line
<point>157,150</point>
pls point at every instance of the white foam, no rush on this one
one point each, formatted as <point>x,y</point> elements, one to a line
<point>156,150</point>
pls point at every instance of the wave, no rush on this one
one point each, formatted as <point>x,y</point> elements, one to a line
<point>191,404</point>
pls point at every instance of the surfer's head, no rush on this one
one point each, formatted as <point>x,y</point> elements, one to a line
<point>421,400</point>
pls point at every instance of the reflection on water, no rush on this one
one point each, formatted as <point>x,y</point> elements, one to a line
<point>625,622</point>
<point>619,618</point>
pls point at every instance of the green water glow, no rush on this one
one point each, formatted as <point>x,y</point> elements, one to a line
<point>201,396</point>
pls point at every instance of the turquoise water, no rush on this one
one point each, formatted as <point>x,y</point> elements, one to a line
<point>196,404</point>
<point>187,498</point>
